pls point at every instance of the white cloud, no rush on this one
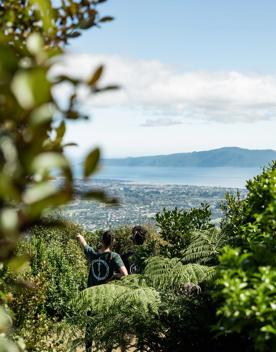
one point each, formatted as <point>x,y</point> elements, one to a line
<point>159,90</point>
<point>162,121</point>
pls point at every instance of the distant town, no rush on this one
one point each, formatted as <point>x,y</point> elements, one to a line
<point>139,203</point>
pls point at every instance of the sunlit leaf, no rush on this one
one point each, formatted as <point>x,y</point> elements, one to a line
<point>48,201</point>
<point>19,264</point>
<point>7,346</point>
<point>31,87</point>
<point>49,161</point>
<point>35,43</point>
<point>42,114</point>
<point>39,192</point>
<point>5,323</point>
<point>9,220</point>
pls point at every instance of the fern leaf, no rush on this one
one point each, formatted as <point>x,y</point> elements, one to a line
<point>164,273</point>
<point>204,247</point>
<point>120,297</point>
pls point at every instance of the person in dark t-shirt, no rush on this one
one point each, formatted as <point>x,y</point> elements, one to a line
<point>139,234</point>
<point>103,266</point>
<point>104,263</point>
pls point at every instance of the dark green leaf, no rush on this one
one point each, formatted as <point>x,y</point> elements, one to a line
<point>69,145</point>
<point>96,76</point>
<point>106,19</point>
<point>61,130</point>
<point>88,23</point>
<point>72,115</point>
<point>91,162</point>
<point>105,89</point>
<point>64,78</point>
<point>74,34</point>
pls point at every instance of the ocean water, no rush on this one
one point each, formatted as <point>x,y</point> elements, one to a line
<point>198,176</point>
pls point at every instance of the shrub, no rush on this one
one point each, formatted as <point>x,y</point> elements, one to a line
<point>176,227</point>
<point>248,273</point>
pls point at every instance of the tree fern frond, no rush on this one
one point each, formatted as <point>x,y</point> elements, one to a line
<point>118,296</point>
<point>204,247</point>
<point>98,298</point>
<point>134,280</point>
<point>164,273</point>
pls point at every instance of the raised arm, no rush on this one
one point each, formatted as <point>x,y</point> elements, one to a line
<point>81,240</point>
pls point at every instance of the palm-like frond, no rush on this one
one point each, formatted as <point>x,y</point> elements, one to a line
<point>120,296</point>
<point>163,273</point>
<point>204,247</point>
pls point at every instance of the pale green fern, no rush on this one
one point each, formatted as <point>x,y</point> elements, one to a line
<point>204,247</point>
<point>165,273</point>
<point>119,296</point>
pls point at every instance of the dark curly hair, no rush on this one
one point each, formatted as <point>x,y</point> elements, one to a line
<point>108,238</point>
<point>139,234</point>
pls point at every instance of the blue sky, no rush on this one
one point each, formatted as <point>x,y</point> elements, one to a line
<point>197,34</point>
<point>195,74</point>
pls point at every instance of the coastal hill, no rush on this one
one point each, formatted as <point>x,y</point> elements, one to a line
<point>222,157</point>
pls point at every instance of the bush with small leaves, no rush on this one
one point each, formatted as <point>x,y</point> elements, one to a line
<point>177,225</point>
<point>248,273</point>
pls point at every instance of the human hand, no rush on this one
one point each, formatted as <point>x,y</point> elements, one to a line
<point>81,239</point>
<point>79,236</point>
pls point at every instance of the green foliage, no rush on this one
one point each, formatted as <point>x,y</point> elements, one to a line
<point>176,227</point>
<point>205,247</point>
<point>234,209</point>
<point>32,122</point>
<point>247,274</point>
<point>58,272</point>
<point>52,282</point>
<point>171,274</point>
<point>33,125</point>
<point>118,311</point>
<point>137,305</point>
<point>57,21</point>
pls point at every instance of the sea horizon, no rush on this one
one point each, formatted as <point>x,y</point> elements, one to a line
<point>229,177</point>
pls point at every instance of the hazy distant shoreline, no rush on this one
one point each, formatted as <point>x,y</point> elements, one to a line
<point>225,177</point>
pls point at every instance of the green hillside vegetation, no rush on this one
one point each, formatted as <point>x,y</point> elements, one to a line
<point>203,288</point>
<point>231,157</point>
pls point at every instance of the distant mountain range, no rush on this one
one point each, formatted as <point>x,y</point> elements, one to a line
<point>222,157</point>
